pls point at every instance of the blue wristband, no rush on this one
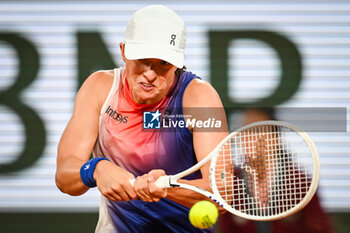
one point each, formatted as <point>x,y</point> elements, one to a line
<point>87,171</point>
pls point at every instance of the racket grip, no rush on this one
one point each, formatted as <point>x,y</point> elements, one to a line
<point>163,182</point>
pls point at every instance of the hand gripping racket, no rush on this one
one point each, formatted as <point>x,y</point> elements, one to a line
<point>263,171</point>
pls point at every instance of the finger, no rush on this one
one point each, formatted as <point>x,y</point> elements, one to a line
<point>153,188</point>
<point>147,190</point>
<point>131,193</point>
<point>129,190</point>
<point>121,192</point>
<point>112,196</point>
<point>139,188</point>
<point>157,192</point>
<point>153,191</point>
<point>108,194</point>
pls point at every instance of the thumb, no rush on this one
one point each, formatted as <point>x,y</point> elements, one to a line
<point>155,174</point>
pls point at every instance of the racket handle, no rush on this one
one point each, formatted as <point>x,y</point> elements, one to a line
<point>162,182</point>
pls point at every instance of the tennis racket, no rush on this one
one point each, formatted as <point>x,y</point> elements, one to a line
<point>263,171</point>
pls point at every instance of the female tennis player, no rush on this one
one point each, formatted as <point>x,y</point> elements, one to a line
<point>112,114</point>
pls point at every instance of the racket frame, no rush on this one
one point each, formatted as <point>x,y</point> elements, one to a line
<point>171,180</point>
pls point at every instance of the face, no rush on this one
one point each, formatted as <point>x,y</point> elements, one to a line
<point>149,79</point>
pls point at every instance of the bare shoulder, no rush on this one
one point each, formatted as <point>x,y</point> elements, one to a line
<point>101,79</point>
<point>202,102</point>
<point>200,93</point>
<point>96,87</point>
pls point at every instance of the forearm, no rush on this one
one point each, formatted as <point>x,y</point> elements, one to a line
<point>68,178</point>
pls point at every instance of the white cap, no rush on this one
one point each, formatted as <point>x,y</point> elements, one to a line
<point>156,32</point>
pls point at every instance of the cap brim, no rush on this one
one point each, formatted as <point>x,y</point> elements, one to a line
<point>135,51</point>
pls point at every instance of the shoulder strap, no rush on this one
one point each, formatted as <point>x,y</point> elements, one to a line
<point>114,88</point>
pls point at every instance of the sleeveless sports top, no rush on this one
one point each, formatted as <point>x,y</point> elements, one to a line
<point>124,141</point>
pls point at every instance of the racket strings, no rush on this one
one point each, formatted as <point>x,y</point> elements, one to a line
<point>263,171</point>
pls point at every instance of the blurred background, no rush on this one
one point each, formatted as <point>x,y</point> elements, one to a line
<point>289,55</point>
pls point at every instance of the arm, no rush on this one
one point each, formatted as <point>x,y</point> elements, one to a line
<point>199,94</point>
<point>79,138</point>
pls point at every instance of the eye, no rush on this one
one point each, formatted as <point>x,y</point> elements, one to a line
<point>164,63</point>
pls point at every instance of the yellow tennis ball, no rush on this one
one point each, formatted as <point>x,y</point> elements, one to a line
<point>203,214</point>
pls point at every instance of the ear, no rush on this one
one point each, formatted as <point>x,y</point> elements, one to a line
<point>122,51</point>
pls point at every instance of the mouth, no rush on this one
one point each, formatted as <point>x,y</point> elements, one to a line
<point>146,86</point>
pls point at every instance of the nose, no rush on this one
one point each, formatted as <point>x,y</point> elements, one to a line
<point>150,73</point>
